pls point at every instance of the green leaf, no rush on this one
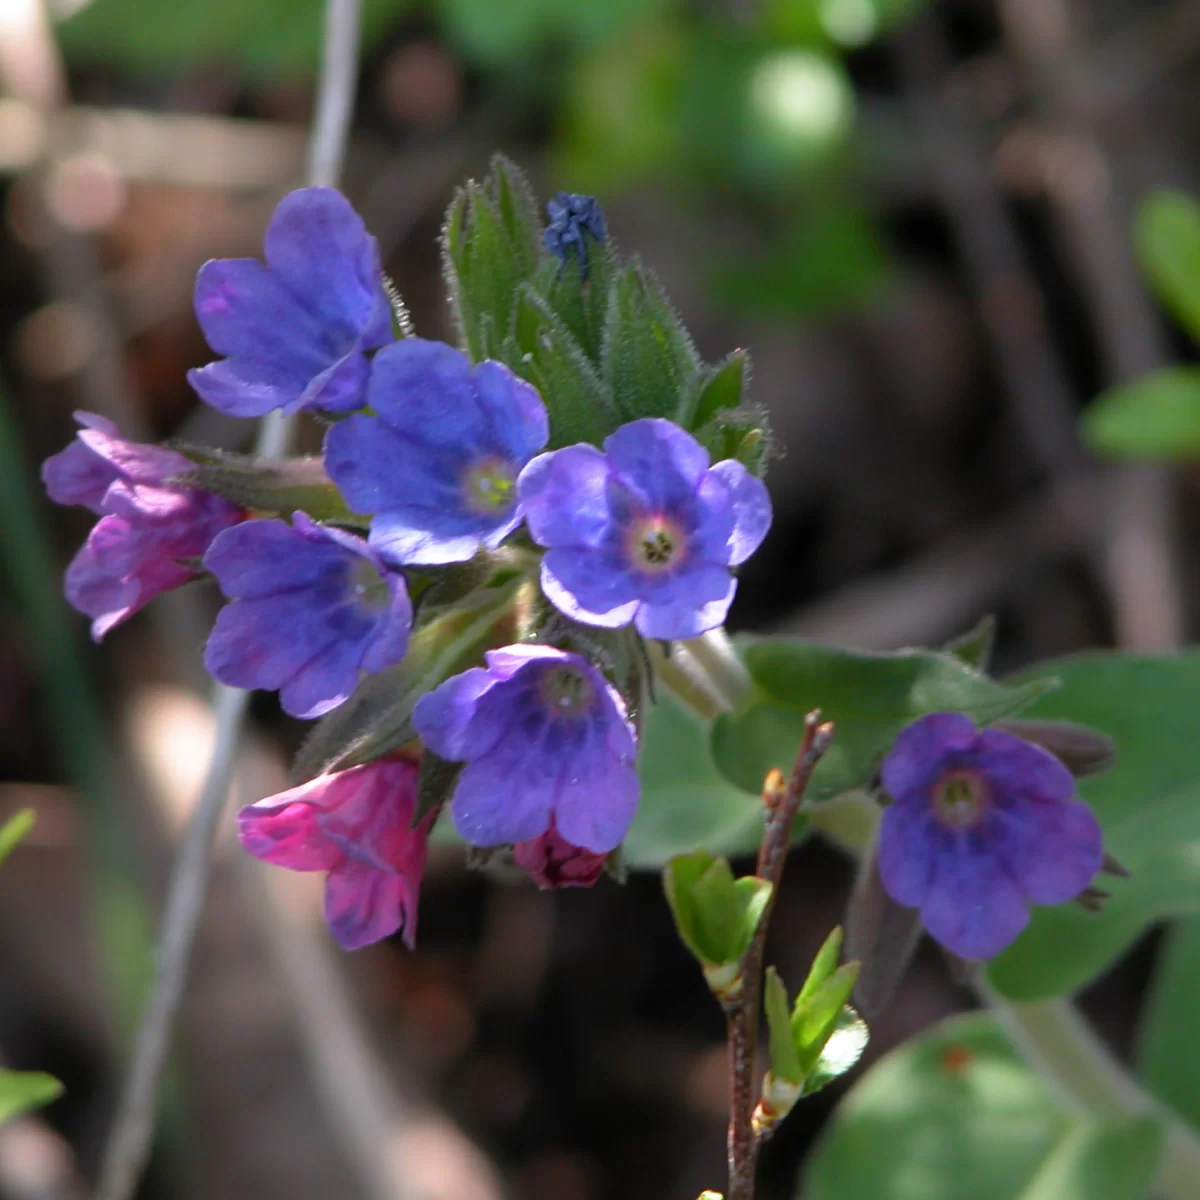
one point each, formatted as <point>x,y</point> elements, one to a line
<point>950,1115</point>
<point>1170,1034</point>
<point>14,829</point>
<point>545,352</point>
<point>580,301</point>
<point>1148,805</point>
<point>685,802</point>
<point>716,389</point>
<point>1102,1160</point>
<point>268,37</point>
<point>814,1019</point>
<point>869,697</point>
<point>647,360</point>
<point>840,1053</point>
<point>716,915</point>
<point>435,784</point>
<point>1167,236</point>
<point>785,1062</point>
<point>823,966</point>
<point>740,433</point>
<point>491,243</point>
<point>1155,417</point>
<point>975,646</point>
<point>22,1090</point>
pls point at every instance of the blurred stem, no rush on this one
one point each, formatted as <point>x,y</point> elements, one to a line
<point>129,1144</point>
<point>713,652</point>
<point>1060,1046</point>
<point>781,800</point>
<point>686,680</point>
<point>80,743</point>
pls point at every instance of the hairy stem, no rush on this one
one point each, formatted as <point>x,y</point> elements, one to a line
<point>129,1143</point>
<point>781,800</point>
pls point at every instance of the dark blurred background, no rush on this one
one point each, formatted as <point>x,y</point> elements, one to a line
<point>915,215</point>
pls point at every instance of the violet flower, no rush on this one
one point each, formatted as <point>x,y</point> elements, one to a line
<point>311,608</point>
<point>982,824</point>
<point>645,531</point>
<point>295,332</point>
<point>152,531</point>
<point>437,459</point>
<point>546,741</point>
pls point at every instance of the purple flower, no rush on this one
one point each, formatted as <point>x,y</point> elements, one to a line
<point>354,824</point>
<point>553,862</point>
<point>312,606</point>
<point>150,533</point>
<point>982,824</point>
<point>438,460</point>
<point>294,332</point>
<point>644,532</point>
<point>546,741</point>
<point>571,216</point>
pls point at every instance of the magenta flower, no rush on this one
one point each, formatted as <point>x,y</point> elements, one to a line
<point>982,824</point>
<point>545,739</point>
<point>354,825</point>
<point>295,333</point>
<point>152,532</point>
<point>553,862</point>
<point>311,607</point>
<point>645,531</point>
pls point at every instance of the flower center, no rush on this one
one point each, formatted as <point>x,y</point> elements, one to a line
<point>567,691</point>
<point>655,544</point>
<point>368,586</point>
<point>959,799</point>
<point>488,487</point>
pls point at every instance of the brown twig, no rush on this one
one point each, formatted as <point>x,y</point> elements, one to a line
<point>781,800</point>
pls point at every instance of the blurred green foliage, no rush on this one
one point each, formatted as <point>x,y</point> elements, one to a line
<point>751,100</point>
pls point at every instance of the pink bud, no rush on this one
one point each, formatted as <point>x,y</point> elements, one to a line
<point>553,862</point>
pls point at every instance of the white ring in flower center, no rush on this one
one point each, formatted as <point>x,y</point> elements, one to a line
<point>959,798</point>
<point>655,544</point>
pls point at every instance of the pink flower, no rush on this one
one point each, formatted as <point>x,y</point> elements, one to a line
<point>355,825</point>
<point>553,862</point>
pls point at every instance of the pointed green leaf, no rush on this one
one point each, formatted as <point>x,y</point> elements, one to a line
<point>435,784</point>
<point>22,1090</point>
<point>717,914</point>
<point>823,965</point>
<point>751,895</point>
<point>648,360</point>
<point>841,1052</point>
<point>785,1062</point>
<point>716,389</point>
<point>868,697</point>
<point>814,1019</point>
<point>680,876</point>
<point>581,300</point>
<point>743,434</point>
<point>543,350</point>
<point>14,829</point>
<point>1167,236</point>
<point>975,646</point>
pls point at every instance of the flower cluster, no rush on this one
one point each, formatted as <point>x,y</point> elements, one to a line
<point>431,461</point>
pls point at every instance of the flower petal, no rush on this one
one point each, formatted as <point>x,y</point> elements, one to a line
<point>1053,850</point>
<point>564,497</point>
<point>909,839</point>
<point>917,752</point>
<point>611,612</point>
<point>973,905</point>
<point>691,614</point>
<point>284,831</point>
<point>751,509</point>
<point>660,459</point>
<point>365,905</point>
<point>507,795</point>
<point>1015,767</point>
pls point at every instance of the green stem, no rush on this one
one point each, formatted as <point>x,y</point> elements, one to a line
<point>1056,1042</point>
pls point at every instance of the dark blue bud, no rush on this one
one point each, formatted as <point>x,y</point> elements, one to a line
<point>571,216</point>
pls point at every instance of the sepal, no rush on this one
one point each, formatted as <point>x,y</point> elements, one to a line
<point>743,434</point>
<point>714,390</point>
<point>647,358</point>
<point>716,915</point>
<point>281,487</point>
<point>491,243</point>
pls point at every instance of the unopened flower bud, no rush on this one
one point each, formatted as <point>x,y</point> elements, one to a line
<point>1081,750</point>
